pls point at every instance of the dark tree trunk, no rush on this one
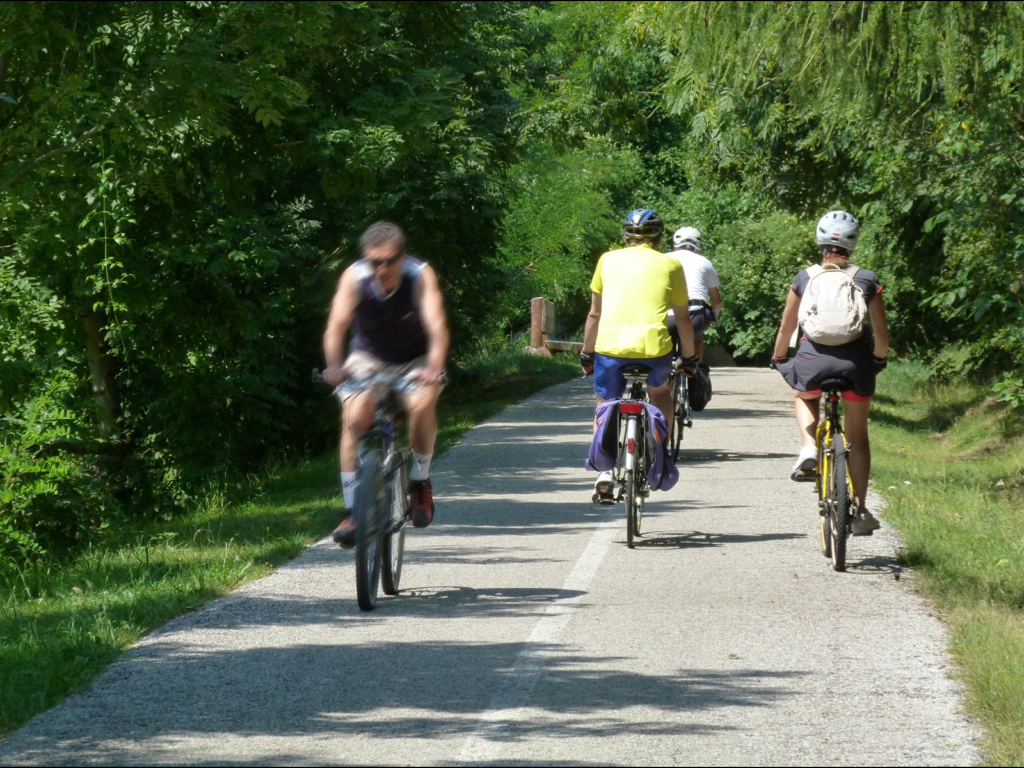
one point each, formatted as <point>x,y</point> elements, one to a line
<point>102,371</point>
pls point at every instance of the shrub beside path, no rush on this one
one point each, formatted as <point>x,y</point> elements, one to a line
<point>527,633</point>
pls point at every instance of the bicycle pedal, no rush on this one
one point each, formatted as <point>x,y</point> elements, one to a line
<point>602,500</point>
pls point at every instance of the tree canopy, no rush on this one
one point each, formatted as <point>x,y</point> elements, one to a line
<point>181,184</point>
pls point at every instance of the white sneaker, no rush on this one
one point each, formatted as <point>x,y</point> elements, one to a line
<point>603,488</point>
<point>806,463</point>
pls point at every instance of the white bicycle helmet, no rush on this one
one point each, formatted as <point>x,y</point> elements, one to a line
<point>689,238</point>
<point>838,228</point>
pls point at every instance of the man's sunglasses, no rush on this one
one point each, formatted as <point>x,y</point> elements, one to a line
<point>386,262</point>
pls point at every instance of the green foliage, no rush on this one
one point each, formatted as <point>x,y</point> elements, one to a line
<point>46,494</point>
<point>181,185</point>
<point>757,259</point>
<point>1010,390</point>
<point>909,114</point>
<point>564,211</point>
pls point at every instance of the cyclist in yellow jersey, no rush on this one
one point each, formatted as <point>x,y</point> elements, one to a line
<point>633,289</point>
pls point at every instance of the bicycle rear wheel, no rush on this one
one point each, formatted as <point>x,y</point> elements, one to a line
<point>839,490</point>
<point>394,543</point>
<point>630,495</point>
<point>679,395</point>
<point>368,512</point>
<point>820,486</point>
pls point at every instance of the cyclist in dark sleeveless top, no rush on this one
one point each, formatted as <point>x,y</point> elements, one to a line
<point>393,304</point>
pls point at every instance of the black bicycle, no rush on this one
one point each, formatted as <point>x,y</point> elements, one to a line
<point>382,505</point>
<point>682,414</point>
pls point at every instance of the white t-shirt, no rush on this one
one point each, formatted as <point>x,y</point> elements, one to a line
<point>700,274</point>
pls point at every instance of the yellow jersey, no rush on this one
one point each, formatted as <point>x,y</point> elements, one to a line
<point>638,285</point>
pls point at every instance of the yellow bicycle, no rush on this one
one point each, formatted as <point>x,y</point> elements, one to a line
<point>832,477</point>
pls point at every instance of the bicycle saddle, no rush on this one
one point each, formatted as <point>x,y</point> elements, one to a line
<point>835,384</point>
<point>637,370</point>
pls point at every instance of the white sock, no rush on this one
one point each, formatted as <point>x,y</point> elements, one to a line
<point>420,466</point>
<point>348,488</point>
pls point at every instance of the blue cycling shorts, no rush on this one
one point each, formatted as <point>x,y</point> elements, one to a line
<point>609,382</point>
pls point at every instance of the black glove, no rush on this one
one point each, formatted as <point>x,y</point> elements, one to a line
<point>776,360</point>
<point>880,364</point>
<point>587,362</point>
<point>689,365</point>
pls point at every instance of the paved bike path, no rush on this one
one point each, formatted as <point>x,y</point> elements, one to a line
<point>528,634</point>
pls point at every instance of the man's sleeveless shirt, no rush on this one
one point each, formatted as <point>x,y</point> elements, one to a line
<point>389,326</point>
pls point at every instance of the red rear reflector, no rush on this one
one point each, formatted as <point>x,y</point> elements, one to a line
<point>634,409</point>
<point>631,445</point>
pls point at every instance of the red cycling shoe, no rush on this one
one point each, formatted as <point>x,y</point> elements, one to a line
<point>345,534</point>
<point>422,503</point>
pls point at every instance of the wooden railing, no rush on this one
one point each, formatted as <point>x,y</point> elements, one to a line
<point>542,325</point>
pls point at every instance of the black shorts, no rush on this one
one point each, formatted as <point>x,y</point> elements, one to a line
<point>815,362</point>
<point>702,318</point>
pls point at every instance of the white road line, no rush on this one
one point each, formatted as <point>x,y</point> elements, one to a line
<point>506,707</point>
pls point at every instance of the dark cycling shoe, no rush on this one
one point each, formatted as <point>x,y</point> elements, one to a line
<point>422,498</point>
<point>345,534</point>
<point>864,524</point>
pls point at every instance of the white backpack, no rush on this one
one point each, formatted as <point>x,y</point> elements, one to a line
<point>832,309</point>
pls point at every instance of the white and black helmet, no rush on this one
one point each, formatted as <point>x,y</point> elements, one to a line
<point>688,238</point>
<point>838,228</point>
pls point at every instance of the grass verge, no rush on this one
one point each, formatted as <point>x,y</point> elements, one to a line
<point>950,464</point>
<point>61,626</point>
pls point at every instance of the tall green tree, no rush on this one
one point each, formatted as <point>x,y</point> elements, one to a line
<point>181,184</point>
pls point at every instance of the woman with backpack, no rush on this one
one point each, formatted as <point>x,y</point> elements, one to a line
<point>840,310</point>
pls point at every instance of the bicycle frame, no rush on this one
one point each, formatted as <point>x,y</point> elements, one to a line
<point>835,502</point>
<point>384,433</point>
<point>829,427</point>
<point>630,468</point>
<point>381,507</point>
<point>633,425</point>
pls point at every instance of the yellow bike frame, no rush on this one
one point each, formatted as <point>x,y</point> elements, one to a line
<point>823,440</point>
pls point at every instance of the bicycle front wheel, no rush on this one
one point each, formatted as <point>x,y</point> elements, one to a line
<point>394,543</point>
<point>368,514</point>
<point>839,491</point>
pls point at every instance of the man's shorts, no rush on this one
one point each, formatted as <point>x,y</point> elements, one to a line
<point>702,318</point>
<point>610,383</point>
<point>361,365</point>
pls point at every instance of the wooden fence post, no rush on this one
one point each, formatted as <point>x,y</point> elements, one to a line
<point>542,326</point>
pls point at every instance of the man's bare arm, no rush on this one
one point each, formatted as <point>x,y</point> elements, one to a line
<point>684,326</point>
<point>593,323</point>
<point>716,301</point>
<point>434,323</point>
<point>343,309</point>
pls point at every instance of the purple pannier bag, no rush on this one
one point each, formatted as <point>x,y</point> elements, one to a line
<point>661,472</point>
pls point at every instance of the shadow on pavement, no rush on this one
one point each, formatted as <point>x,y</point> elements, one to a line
<point>384,690</point>
<point>699,539</point>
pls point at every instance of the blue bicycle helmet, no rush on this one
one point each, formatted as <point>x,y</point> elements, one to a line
<point>643,226</point>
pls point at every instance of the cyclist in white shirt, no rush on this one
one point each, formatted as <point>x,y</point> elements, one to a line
<point>702,284</point>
